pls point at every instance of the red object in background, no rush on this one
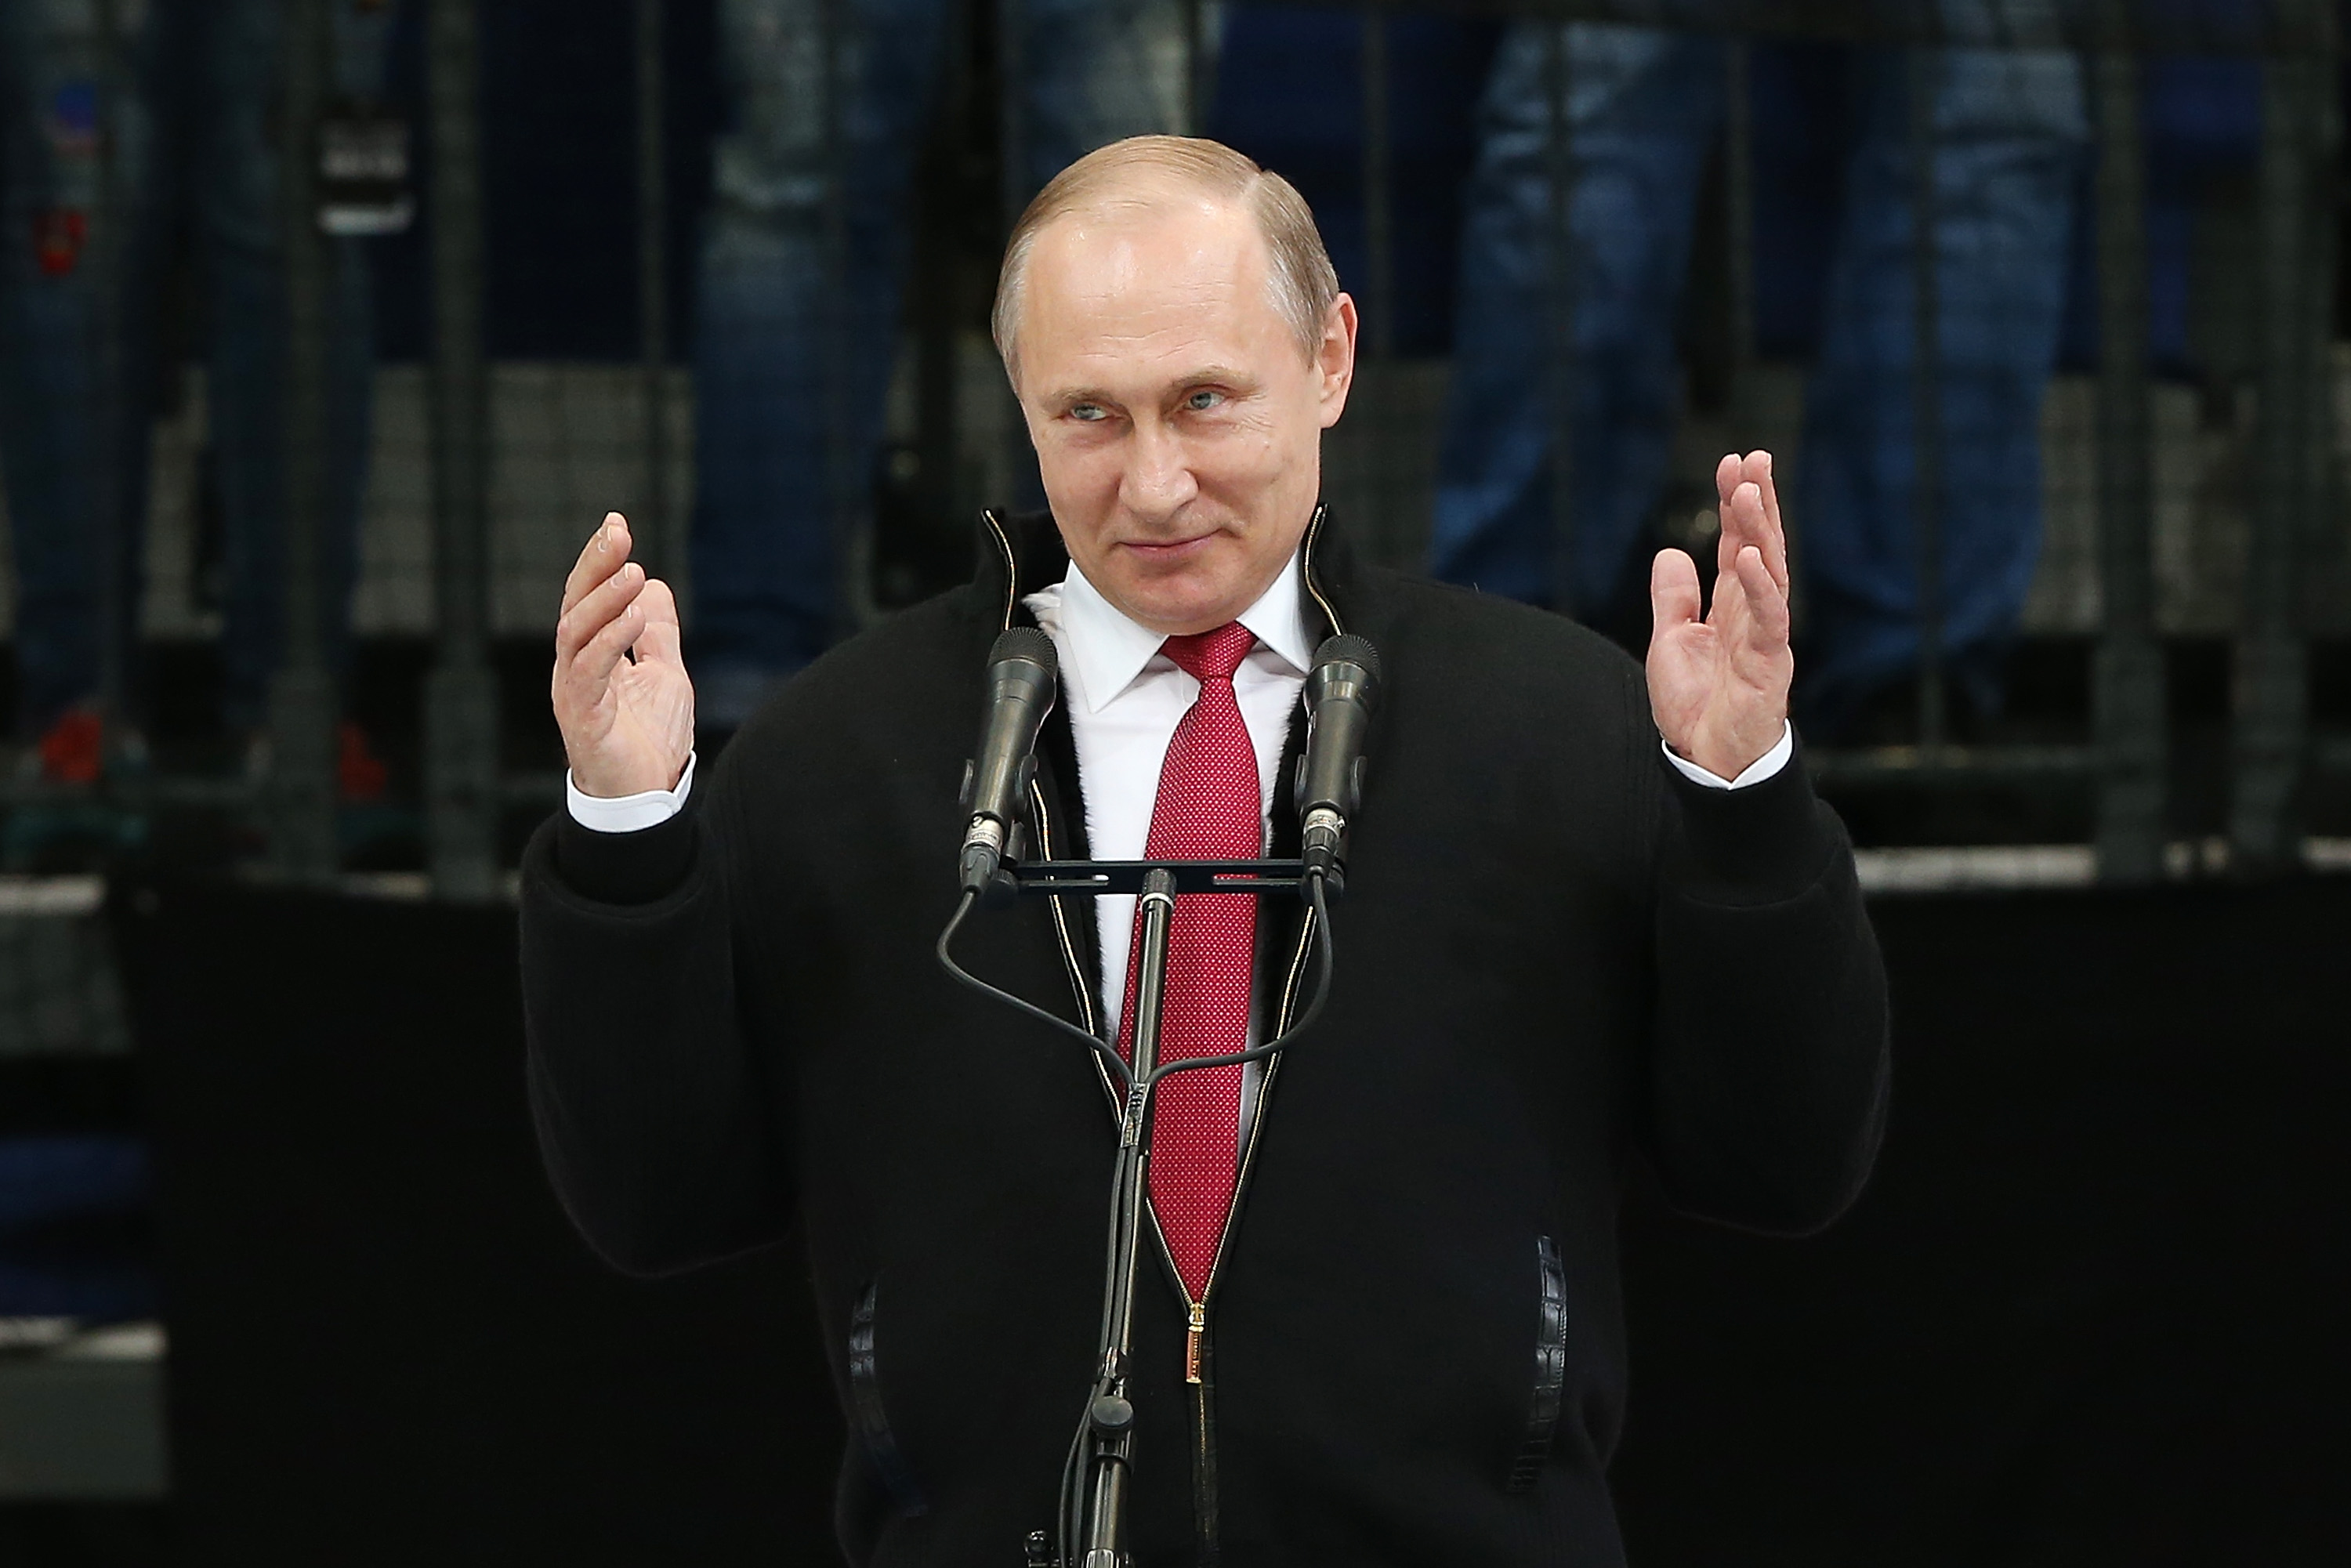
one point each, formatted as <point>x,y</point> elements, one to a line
<point>58,236</point>
<point>74,749</point>
<point>360,774</point>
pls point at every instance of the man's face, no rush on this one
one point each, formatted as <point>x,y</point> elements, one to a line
<point>1177,422</point>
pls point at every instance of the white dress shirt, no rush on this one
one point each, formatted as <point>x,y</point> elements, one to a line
<point>627,813</point>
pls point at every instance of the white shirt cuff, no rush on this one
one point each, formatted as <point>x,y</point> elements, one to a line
<point>1764,767</point>
<point>628,813</point>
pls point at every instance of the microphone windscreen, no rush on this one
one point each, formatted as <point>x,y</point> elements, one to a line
<point>1025,643</point>
<point>1346,648</point>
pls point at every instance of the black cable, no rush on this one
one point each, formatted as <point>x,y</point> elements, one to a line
<point>1118,1068</point>
<point>1326,948</point>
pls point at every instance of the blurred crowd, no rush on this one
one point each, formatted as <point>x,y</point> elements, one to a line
<point>164,115</point>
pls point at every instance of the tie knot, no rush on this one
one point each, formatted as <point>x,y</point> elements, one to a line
<point>1212,655</point>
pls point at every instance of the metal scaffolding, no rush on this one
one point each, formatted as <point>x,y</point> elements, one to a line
<point>461,710</point>
<point>302,698</point>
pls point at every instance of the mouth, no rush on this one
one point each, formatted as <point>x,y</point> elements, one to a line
<point>1167,552</point>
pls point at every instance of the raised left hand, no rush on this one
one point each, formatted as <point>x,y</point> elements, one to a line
<point>1719,686</point>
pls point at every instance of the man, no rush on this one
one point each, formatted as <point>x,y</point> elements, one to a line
<point>1386,1326</point>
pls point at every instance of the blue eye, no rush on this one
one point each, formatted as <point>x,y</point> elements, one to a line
<point>1202,401</point>
<point>1089,412</point>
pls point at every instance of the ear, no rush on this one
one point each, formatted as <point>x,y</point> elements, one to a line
<point>1335,359</point>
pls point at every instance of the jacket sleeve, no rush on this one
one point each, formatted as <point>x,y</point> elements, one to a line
<point>653,1115</point>
<point>1769,1068</point>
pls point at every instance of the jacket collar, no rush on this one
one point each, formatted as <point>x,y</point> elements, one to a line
<point>1022,552</point>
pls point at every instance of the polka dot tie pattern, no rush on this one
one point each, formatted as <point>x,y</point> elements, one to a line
<point>1210,808</point>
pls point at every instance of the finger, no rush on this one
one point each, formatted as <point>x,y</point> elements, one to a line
<point>1673,591</point>
<point>658,643</point>
<point>585,619</point>
<point>606,550</point>
<point>1728,474</point>
<point>1757,468</point>
<point>592,670</point>
<point>1767,603</point>
<point>1742,528</point>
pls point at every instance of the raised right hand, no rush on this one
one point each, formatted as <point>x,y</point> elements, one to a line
<point>628,725</point>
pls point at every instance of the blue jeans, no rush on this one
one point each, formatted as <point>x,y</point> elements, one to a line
<point>50,68</point>
<point>201,144</point>
<point>1644,107</point>
<point>767,448</point>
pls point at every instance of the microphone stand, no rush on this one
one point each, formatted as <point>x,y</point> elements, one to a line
<point>1110,1417</point>
<point>1101,1539</point>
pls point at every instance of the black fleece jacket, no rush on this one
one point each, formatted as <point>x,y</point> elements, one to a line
<point>1555,954</point>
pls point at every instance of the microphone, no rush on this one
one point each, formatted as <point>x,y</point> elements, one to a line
<point>1022,672</point>
<point>1342,695</point>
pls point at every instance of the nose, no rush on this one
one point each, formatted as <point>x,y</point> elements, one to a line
<point>1158,481</point>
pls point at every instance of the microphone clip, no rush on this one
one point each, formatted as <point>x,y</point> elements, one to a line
<point>1323,846</point>
<point>991,847</point>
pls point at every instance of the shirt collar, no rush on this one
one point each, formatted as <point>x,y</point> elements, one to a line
<point>1109,649</point>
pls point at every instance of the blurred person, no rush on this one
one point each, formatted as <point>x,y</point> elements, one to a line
<point>204,160</point>
<point>1593,914</point>
<point>51,65</point>
<point>1644,110</point>
<point>767,450</point>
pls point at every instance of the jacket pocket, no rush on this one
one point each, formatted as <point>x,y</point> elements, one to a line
<point>871,1419</point>
<point>1550,1365</point>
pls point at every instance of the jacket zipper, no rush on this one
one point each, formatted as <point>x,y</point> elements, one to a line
<point>1056,903</point>
<point>1011,568</point>
<point>1198,1357</point>
<point>1199,1354</point>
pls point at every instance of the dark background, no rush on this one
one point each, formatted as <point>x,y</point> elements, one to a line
<point>2086,1312</point>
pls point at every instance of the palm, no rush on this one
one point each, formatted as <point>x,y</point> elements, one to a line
<point>1718,684</point>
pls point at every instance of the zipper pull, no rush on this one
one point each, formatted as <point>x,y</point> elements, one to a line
<point>1198,1326</point>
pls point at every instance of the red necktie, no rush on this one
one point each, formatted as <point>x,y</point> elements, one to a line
<point>1210,808</point>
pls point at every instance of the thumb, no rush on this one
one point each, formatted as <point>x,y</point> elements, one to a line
<point>1673,591</point>
<point>659,641</point>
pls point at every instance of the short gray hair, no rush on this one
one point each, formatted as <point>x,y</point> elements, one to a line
<point>1302,279</point>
